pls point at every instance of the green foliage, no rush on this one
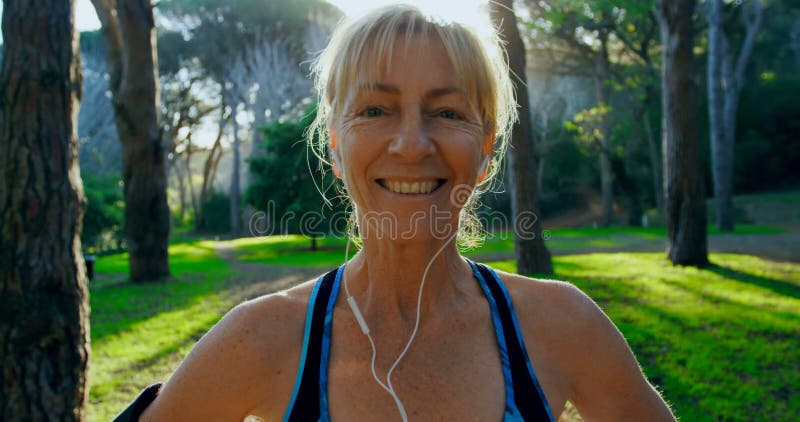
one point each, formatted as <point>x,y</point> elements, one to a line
<point>587,124</point>
<point>217,212</point>
<point>767,147</point>
<point>285,180</point>
<point>219,30</point>
<point>105,212</point>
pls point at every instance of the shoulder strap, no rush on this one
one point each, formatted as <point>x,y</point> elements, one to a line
<point>528,395</point>
<point>305,403</point>
<point>138,406</point>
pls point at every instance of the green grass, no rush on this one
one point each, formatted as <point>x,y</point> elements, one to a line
<point>720,342</point>
<point>190,256</point>
<point>294,250</point>
<point>140,332</point>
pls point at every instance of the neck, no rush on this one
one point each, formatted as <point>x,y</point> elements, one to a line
<point>385,277</point>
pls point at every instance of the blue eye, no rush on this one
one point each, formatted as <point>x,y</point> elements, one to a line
<point>373,112</point>
<point>448,114</point>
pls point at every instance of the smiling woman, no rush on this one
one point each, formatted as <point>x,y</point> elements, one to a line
<point>411,112</point>
<point>365,81</point>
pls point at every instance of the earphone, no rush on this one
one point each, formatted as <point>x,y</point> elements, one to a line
<point>483,168</point>
<point>351,301</point>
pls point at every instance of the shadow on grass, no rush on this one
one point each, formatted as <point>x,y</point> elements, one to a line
<point>718,341</point>
<point>119,306</point>
<point>780,287</point>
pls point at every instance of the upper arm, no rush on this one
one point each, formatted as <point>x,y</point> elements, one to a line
<point>606,380</point>
<point>226,375</point>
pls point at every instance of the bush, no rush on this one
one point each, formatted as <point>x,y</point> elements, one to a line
<point>217,212</point>
<point>767,145</point>
<point>284,175</point>
<point>105,213</point>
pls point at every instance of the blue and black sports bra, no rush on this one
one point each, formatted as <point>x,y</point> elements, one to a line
<point>525,400</point>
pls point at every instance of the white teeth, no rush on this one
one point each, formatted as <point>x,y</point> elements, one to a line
<point>410,188</point>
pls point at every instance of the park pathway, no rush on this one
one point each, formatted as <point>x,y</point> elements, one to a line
<point>256,279</point>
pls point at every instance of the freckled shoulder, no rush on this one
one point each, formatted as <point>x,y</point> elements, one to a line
<point>274,327</point>
<point>551,303</point>
<point>579,354</point>
<point>557,315</point>
<point>244,364</point>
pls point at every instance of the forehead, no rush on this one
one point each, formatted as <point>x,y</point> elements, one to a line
<point>422,60</point>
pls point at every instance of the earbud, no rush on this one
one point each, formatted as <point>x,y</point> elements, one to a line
<point>336,164</point>
<point>483,169</point>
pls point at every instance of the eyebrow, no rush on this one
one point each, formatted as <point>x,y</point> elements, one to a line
<point>391,89</point>
<point>441,92</point>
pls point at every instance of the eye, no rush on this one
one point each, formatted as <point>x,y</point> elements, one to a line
<point>373,112</point>
<point>448,114</point>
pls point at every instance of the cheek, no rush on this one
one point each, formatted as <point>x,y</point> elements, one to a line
<point>461,149</point>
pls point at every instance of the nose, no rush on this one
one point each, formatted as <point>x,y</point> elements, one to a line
<point>412,142</point>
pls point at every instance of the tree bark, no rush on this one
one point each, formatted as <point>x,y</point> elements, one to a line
<point>602,91</point>
<point>235,194</point>
<point>655,168</point>
<point>685,208</point>
<point>44,309</point>
<point>725,82</point>
<point>128,30</point>
<point>531,253</point>
<point>209,170</point>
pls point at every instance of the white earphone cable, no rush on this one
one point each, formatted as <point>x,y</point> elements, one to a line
<point>365,329</point>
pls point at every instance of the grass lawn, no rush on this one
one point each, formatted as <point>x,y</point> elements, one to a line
<point>721,342</point>
<point>293,250</point>
<point>140,332</point>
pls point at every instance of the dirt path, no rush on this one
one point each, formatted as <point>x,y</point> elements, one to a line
<point>778,247</point>
<point>255,279</point>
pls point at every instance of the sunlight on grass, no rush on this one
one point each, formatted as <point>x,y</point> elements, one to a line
<point>292,250</point>
<point>193,256</point>
<point>721,342</point>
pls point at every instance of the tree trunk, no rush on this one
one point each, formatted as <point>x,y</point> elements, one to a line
<point>725,82</point>
<point>235,194</point>
<point>601,76</point>
<point>685,208</point>
<point>531,253</point>
<point>652,149</point>
<point>181,190</point>
<point>44,309</point>
<point>209,169</point>
<point>721,150</point>
<point>129,33</point>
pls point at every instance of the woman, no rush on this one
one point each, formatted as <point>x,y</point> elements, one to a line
<point>410,112</point>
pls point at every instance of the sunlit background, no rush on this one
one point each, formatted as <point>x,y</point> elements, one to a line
<point>468,11</point>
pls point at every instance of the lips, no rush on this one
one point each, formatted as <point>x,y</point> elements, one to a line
<point>416,187</point>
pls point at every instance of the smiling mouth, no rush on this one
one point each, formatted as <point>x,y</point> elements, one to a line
<point>411,188</point>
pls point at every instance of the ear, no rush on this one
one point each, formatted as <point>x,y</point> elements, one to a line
<point>332,137</point>
<point>484,169</point>
<point>335,159</point>
<point>488,146</point>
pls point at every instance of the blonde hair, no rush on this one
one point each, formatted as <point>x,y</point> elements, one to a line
<point>481,69</point>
